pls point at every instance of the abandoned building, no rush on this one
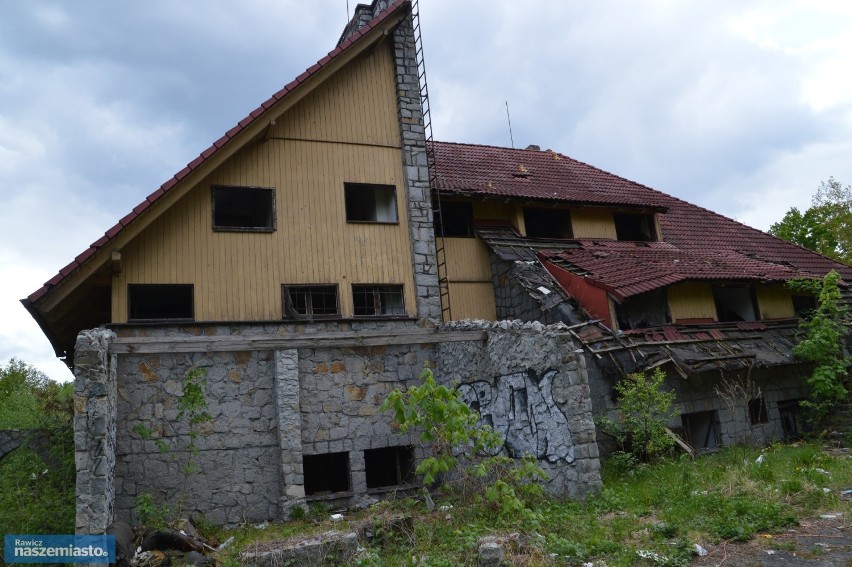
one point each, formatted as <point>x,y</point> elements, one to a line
<point>532,280</point>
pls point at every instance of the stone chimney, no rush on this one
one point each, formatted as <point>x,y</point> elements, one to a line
<point>363,15</point>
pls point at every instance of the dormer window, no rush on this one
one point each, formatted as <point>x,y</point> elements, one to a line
<point>548,223</point>
<point>635,227</point>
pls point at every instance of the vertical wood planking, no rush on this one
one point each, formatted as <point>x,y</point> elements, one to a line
<point>346,130</point>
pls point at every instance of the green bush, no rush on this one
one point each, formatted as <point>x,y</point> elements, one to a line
<point>644,410</point>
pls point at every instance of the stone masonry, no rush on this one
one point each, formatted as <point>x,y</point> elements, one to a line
<point>274,405</point>
<point>95,430</point>
<point>415,165</point>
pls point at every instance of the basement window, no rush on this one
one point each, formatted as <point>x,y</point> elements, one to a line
<point>757,413</point>
<point>735,303</point>
<point>455,220</point>
<point>635,227</point>
<point>389,466</point>
<point>160,302</point>
<point>367,202</point>
<point>310,301</point>
<point>548,223</point>
<point>326,474</point>
<point>371,300</point>
<point>243,209</point>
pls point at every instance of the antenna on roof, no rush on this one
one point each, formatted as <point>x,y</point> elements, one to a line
<point>347,11</point>
<point>509,118</point>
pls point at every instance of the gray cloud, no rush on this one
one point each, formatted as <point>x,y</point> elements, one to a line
<point>718,102</point>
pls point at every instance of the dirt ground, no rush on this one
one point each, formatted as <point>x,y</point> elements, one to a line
<point>824,541</point>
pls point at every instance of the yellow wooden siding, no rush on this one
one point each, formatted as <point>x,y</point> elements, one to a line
<point>356,105</point>
<point>494,211</point>
<point>467,260</point>
<point>775,302</point>
<point>469,275</point>
<point>593,223</point>
<point>691,301</point>
<point>472,301</point>
<point>238,275</point>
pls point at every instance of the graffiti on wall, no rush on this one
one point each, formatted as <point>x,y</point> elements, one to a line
<point>521,409</point>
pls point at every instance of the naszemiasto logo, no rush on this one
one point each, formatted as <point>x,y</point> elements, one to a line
<point>28,548</point>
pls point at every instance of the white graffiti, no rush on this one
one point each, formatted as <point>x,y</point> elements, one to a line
<point>521,409</point>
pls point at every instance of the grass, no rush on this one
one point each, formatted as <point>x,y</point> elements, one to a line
<point>660,511</point>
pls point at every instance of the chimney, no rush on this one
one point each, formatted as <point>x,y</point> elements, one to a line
<point>363,15</point>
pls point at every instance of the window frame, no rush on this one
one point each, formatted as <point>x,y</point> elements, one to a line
<point>272,225</point>
<point>377,290</point>
<point>553,212</point>
<point>350,188</point>
<point>619,218</point>
<point>132,287</point>
<point>288,305</point>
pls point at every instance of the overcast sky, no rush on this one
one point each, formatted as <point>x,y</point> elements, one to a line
<point>741,107</point>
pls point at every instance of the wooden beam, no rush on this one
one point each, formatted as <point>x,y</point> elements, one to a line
<point>231,343</point>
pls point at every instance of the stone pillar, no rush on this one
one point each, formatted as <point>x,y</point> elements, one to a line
<point>94,430</point>
<point>287,396</point>
<point>415,165</point>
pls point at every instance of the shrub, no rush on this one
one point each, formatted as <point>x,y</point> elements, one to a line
<point>644,410</point>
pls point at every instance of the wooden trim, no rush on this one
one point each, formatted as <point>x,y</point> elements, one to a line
<point>232,343</point>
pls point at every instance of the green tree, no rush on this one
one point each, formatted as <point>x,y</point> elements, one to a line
<point>825,227</point>
<point>823,345</point>
<point>464,451</point>
<point>644,410</point>
<point>21,388</point>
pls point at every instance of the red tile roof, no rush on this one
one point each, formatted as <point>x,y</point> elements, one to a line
<point>627,268</point>
<point>394,8</point>
<point>490,171</point>
<point>697,243</point>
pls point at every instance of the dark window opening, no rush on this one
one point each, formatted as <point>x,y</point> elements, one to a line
<point>635,227</point>
<point>548,223</point>
<point>244,208</point>
<point>149,302</point>
<point>370,203</point>
<point>649,309</point>
<point>735,303</point>
<point>373,300</point>
<point>390,466</point>
<point>455,220</point>
<point>757,413</point>
<point>702,429</point>
<point>793,419</point>
<point>804,305</point>
<point>326,474</point>
<point>310,301</point>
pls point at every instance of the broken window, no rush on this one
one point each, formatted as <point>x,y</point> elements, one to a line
<point>635,227</point>
<point>326,474</point>
<point>367,202</point>
<point>156,302</point>
<point>371,300</point>
<point>389,466</point>
<point>804,305</point>
<point>702,429</point>
<point>310,301</point>
<point>735,303</point>
<point>757,413</point>
<point>548,223</point>
<point>790,412</point>
<point>243,208</point>
<point>455,220</point>
<point>650,309</point>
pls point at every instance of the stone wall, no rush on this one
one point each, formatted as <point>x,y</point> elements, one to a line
<point>697,393</point>
<point>527,381</point>
<point>273,407</point>
<point>94,430</point>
